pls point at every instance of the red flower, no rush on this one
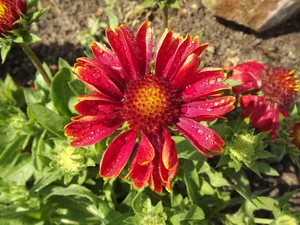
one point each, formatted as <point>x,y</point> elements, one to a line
<point>10,12</point>
<point>279,87</point>
<point>127,90</point>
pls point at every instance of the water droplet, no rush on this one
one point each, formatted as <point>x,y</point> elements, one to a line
<point>200,131</point>
<point>219,79</point>
<point>206,138</point>
<point>209,109</point>
<point>212,81</point>
<point>222,101</point>
<point>189,90</point>
<point>216,103</point>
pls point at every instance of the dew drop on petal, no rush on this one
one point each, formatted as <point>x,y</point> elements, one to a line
<point>189,90</point>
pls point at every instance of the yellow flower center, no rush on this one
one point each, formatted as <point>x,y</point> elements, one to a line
<point>3,10</point>
<point>280,86</point>
<point>150,103</point>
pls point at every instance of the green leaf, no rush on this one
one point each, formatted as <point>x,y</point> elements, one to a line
<point>286,197</point>
<point>77,87</point>
<point>62,63</point>
<point>5,50</point>
<point>26,36</point>
<point>262,154</point>
<point>191,179</point>
<point>186,150</point>
<point>113,19</point>
<point>148,2</point>
<point>31,3</point>
<point>49,119</point>
<point>193,213</point>
<point>31,17</point>
<point>99,208</point>
<point>8,156</point>
<point>173,4</point>
<point>264,168</point>
<point>61,93</point>
<point>141,203</point>
<point>47,179</point>
<point>34,96</point>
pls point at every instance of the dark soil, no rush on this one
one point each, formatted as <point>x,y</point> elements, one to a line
<point>231,44</point>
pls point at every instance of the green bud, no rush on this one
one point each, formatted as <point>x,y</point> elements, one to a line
<point>286,220</point>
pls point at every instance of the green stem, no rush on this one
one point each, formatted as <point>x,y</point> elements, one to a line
<point>165,16</point>
<point>36,62</point>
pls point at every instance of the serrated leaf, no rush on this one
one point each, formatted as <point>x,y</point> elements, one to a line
<point>49,119</point>
<point>61,93</point>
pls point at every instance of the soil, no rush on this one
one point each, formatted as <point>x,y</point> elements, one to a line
<point>230,44</point>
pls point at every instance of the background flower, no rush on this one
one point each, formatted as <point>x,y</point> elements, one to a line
<point>126,90</point>
<point>273,91</point>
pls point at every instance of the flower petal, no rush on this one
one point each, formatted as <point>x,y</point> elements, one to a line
<point>209,85</point>
<point>93,107</point>
<point>200,136</point>
<point>247,73</point>
<point>212,108</point>
<point>155,182</point>
<point>145,152</point>
<point>123,43</point>
<point>117,154</point>
<point>185,72</point>
<point>165,49</point>
<point>97,80</point>
<point>169,153</point>
<point>89,130</point>
<point>144,43</point>
<point>139,174</point>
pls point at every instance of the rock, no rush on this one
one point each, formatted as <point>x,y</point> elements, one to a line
<point>259,15</point>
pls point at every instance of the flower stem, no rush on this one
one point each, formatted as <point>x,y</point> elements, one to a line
<point>165,16</point>
<point>36,62</point>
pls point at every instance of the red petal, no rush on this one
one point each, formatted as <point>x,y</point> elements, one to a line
<point>249,74</point>
<point>93,107</point>
<point>165,49</point>
<point>169,153</point>
<point>145,152</point>
<point>200,136</point>
<point>117,154</point>
<point>97,80</point>
<point>105,56</point>
<point>123,43</point>
<point>177,58</point>
<point>144,44</point>
<point>209,85</point>
<point>88,130</point>
<point>214,108</point>
<point>155,182</point>
<point>187,70</point>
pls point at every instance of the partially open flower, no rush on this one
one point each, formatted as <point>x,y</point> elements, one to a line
<point>126,90</point>
<point>278,86</point>
<point>10,12</point>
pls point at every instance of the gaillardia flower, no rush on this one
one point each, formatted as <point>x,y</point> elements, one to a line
<point>127,90</point>
<point>10,12</point>
<point>278,86</point>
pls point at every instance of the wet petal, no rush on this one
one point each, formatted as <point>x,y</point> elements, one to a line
<point>117,154</point>
<point>212,108</point>
<point>209,85</point>
<point>93,107</point>
<point>144,44</point>
<point>123,44</point>
<point>169,153</point>
<point>185,72</point>
<point>165,49</point>
<point>97,80</point>
<point>155,182</point>
<point>88,130</point>
<point>200,136</point>
<point>145,152</point>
